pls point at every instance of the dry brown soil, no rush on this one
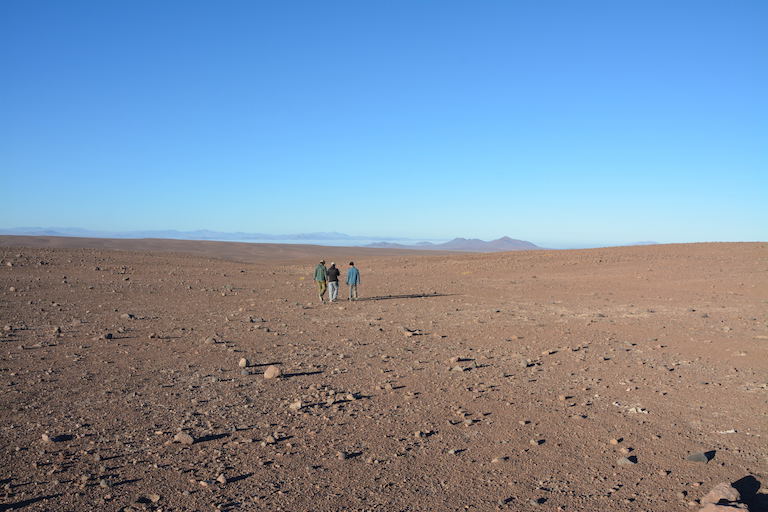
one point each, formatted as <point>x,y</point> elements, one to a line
<point>544,380</point>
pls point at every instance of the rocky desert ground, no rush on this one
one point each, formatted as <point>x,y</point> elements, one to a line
<point>190,376</point>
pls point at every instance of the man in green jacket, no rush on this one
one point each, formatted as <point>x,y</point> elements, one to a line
<point>321,277</point>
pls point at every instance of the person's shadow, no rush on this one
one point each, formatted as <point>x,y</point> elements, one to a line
<point>405,296</point>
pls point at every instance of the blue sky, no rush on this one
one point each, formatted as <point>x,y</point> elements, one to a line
<point>563,123</point>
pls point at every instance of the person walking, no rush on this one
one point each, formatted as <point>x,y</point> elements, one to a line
<point>333,282</point>
<point>353,279</point>
<point>321,277</point>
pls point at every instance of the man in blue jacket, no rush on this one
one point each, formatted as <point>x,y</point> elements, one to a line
<point>353,279</point>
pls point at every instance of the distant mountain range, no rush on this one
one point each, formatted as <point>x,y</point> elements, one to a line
<point>457,244</point>
<point>331,238</point>
<point>200,234</point>
<point>465,244</point>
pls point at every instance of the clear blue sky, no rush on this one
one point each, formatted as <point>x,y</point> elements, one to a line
<point>560,122</point>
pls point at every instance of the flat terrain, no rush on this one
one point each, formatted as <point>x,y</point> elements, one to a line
<point>543,380</point>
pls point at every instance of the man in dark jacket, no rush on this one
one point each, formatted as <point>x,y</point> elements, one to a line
<point>333,282</point>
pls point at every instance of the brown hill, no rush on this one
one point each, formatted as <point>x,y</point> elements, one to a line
<point>623,379</point>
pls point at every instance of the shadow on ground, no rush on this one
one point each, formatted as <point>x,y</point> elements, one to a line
<point>748,487</point>
<point>22,504</point>
<point>406,296</point>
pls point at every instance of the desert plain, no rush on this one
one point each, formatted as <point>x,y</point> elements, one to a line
<point>133,377</point>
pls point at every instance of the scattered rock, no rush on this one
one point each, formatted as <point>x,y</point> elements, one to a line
<point>147,499</point>
<point>701,456</point>
<point>183,438</point>
<point>723,497</point>
<point>56,439</point>
<point>244,363</point>
<point>272,372</point>
<point>523,362</point>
